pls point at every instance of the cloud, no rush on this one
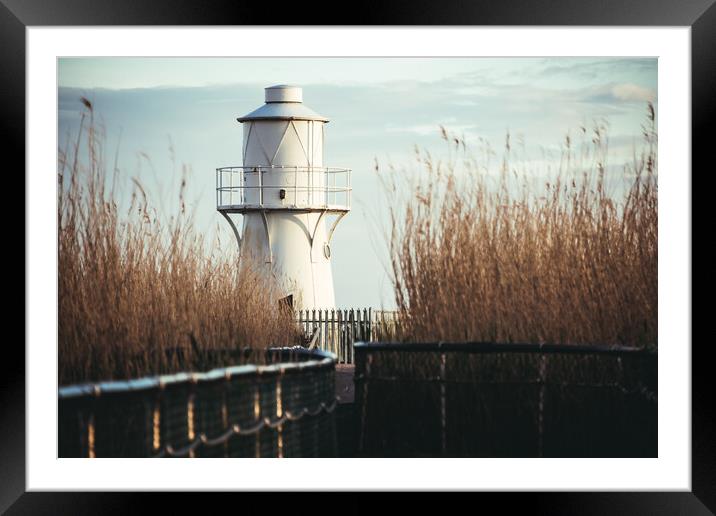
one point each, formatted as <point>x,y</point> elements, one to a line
<point>631,92</point>
<point>451,124</point>
<point>589,69</point>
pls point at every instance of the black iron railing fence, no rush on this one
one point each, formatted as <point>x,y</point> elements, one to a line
<point>284,408</point>
<point>337,330</point>
<point>506,400</point>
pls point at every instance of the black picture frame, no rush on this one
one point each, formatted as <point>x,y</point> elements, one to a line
<point>17,15</point>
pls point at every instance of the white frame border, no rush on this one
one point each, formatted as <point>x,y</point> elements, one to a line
<point>672,470</point>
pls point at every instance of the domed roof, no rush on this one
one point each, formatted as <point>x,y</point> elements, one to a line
<point>283,102</point>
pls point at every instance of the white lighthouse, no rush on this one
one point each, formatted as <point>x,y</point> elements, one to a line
<point>291,203</point>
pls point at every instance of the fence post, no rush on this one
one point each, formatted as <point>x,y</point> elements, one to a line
<point>156,421</point>
<point>327,324</point>
<point>443,404</point>
<point>383,326</point>
<point>191,413</point>
<point>333,330</point>
<point>324,327</point>
<point>364,402</point>
<point>349,330</point>
<point>342,336</point>
<point>359,327</point>
<point>90,436</point>
<point>313,319</point>
<point>347,339</point>
<point>257,416</point>
<point>320,328</point>
<point>342,345</point>
<point>279,412</point>
<point>364,333</point>
<point>540,415</point>
<point>352,340</point>
<point>225,409</point>
<point>339,342</point>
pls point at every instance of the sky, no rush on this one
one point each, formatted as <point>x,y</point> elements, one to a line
<point>161,113</point>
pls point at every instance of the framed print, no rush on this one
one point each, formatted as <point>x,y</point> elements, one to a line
<point>222,316</point>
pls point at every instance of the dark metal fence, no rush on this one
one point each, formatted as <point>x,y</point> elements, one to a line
<point>282,409</point>
<point>507,400</point>
<point>337,330</point>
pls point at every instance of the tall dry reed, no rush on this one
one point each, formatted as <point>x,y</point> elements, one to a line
<point>133,288</point>
<point>484,256</point>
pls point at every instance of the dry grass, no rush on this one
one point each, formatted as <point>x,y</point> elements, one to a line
<point>133,287</point>
<point>566,261</point>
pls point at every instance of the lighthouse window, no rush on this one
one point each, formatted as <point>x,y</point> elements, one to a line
<point>327,250</point>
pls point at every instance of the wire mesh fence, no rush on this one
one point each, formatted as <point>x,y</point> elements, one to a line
<point>508,400</point>
<point>283,408</point>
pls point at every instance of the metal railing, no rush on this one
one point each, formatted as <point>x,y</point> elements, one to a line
<point>337,330</point>
<point>282,409</point>
<point>505,400</point>
<point>276,187</point>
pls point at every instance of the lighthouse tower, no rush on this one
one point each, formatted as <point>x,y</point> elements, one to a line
<point>290,202</point>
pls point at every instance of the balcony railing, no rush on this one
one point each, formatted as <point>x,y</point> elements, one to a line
<point>244,188</point>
